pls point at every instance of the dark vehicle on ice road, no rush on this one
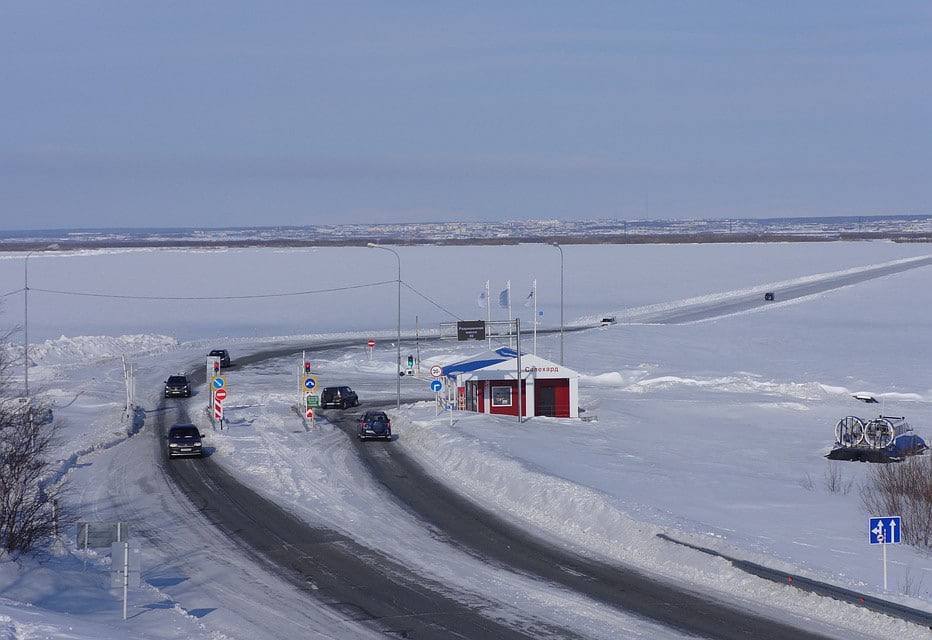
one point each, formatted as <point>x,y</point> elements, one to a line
<point>184,440</point>
<point>375,424</point>
<point>768,296</point>
<point>177,387</point>
<point>338,398</point>
<point>224,356</point>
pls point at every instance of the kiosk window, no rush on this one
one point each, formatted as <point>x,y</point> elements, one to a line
<point>501,396</point>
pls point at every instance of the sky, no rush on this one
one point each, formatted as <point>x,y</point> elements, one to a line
<point>164,114</point>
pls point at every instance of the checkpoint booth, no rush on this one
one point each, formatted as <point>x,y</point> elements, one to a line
<point>488,383</point>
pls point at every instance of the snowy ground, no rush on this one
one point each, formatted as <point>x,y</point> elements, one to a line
<point>709,432</point>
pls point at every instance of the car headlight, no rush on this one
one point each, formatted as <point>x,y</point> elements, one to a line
<point>173,444</point>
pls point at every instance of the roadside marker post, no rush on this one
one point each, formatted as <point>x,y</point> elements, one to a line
<point>883,531</point>
<point>437,387</point>
<point>370,346</point>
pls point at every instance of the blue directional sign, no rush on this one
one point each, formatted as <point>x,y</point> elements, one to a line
<point>218,383</point>
<point>436,386</point>
<point>886,530</point>
<point>310,383</point>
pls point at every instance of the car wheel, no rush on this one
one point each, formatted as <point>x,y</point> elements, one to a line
<point>343,405</point>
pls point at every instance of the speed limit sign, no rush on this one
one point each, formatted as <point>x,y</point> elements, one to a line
<point>435,371</point>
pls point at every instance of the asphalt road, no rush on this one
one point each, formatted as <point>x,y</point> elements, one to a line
<point>706,311</point>
<point>368,586</point>
<point>360,583</point>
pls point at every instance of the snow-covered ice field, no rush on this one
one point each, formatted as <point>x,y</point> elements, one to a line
<point>710,432</point>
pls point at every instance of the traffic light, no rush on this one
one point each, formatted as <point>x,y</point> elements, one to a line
<point>410,361</point>
<point>307,367</point>
<point>216,366</point>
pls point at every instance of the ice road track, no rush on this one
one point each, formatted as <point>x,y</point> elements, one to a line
<point>699,311</point>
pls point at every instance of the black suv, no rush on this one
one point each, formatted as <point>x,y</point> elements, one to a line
<point>338,398</point>
<point>177,387</point>
<point>375,424</point>
<point>184,440</point>
<point>224,356</point>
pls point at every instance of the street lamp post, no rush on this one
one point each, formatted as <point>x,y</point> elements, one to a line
<point>557,245</point>
<point>372,245</point>
<point>26,317</point>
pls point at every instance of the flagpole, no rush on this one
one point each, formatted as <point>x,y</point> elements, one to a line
<point>535,316</point>
<point>488,313</point>
<point>510,321</point>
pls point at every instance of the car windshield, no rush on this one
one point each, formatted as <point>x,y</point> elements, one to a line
<point>377,417</point>
<point>177,380</point>
<point>183,433</point>
<point>217,352</point>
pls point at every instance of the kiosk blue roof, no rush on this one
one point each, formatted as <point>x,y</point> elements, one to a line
<point>480,361</point>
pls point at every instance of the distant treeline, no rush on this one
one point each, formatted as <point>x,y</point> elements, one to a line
<point>617,238</point>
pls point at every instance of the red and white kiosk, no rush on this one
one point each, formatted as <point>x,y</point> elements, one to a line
<point>488,383</point>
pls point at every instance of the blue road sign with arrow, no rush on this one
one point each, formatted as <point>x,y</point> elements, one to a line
<point>436,386</point>
<point>218,383</point>
<point>310,383</point>
<point>886,530</point>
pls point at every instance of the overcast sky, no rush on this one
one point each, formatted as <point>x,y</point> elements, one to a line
<point>238,113</point>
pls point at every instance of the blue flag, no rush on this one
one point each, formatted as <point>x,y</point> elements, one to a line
<point>503,298</point>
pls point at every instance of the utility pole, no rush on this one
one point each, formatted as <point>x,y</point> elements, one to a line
<point>560,249</point>
<point>372,245</point>
<point>518,349</point>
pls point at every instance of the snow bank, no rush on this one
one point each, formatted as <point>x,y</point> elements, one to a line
<point>66,349</point>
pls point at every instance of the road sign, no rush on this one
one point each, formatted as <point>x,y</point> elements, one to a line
<point>370,343</point>
<point>312,400</point>
<point>220,394</point>
<point>886,530</point>
<point>436,386</point>
<point>470,330</point>
<point>436,371</point>
<point>309,413</point>
<point>219,382</point>
<point>310,382</point>
<point>218,409</point>
<point>128,561</point>
<point>94,535</point>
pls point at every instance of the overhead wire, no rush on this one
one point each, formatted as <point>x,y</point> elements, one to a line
<point>433,302</point>
<point>285,294</point>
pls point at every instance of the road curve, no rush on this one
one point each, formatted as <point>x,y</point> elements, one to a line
<point>480,532</point>
<point>367,586</point>
<point>362,584</point>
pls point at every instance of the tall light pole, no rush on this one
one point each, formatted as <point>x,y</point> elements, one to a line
<point>372,245</point>
<point>557,245</point>
<point>26,317</point>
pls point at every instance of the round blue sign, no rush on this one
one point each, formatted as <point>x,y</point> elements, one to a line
<point>436,386</point>
<point>218,383</point>
<point>310,383</point>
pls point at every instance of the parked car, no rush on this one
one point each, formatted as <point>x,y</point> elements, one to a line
<point>608,321</point>
<point>338,398</point>
<point>177,387</point>
<point>224,356</point>
<point>768,296</point>
<point>185,440</point>
<point>375,424</point>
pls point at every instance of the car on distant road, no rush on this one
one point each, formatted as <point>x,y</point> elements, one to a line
<point>224,356</point>
<point>375,424</point>
<point>338,398</point>
<point>177,387</point>
<point>768,296</point>
<point>185,440</point>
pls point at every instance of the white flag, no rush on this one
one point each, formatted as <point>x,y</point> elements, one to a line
<point>529,301</point>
